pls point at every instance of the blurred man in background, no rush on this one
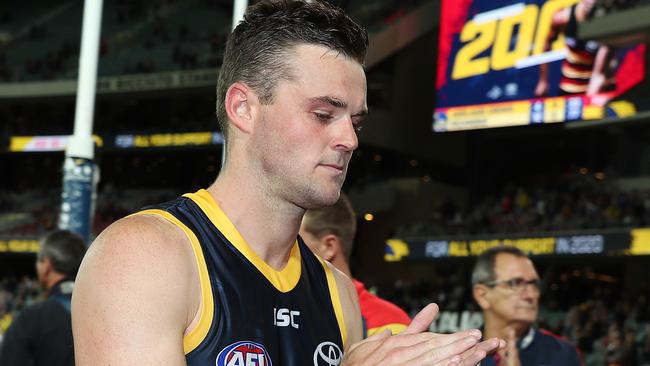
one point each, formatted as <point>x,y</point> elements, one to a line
<point>42,333</point>
<point>507,288</point>
<point>329,233</point>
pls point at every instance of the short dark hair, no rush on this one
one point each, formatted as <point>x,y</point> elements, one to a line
<point>484,268</point>
<point>256,51</point>
<point>65,249</point>
<point>338,219</point>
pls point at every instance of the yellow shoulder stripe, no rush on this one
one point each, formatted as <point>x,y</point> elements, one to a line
<point>196,335</point>
<point>336,300</point>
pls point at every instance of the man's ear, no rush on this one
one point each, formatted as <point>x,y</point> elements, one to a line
<point>241,105</point>
<point>330,247</point>
<point>480,292</point>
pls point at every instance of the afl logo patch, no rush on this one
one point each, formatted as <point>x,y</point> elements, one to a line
<point>327,354</point>
<point>244,353</point>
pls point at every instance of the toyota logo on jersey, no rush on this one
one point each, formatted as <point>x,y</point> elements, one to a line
<point>244,353</point>
<point>327,354</point>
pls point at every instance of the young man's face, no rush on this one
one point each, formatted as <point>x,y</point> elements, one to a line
<point>305,138</point>
<point>507,303</point>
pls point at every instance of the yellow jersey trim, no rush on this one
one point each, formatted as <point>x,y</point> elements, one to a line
<point>394,328</point>
<point>200,331</point>
<point>284,280</point>
<point>336,300</point>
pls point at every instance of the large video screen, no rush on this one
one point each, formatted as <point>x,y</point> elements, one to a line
<point>513,63</point>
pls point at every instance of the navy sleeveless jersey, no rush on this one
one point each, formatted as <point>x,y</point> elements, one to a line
<point>251,314</point>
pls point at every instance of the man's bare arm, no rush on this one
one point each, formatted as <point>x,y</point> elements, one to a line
<point>134,295</point>
<point>350,305</point>
<point>598,76</point>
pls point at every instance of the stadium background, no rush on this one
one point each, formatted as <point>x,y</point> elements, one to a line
<point>586,185</point>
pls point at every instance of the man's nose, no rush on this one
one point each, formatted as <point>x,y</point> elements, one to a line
<point>347,135</point>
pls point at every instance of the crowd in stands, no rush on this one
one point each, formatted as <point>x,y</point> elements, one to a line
<point>34,213</point>
<point>138,36</point>
<point>577,200</point>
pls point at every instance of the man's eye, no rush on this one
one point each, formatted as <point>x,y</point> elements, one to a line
<point>322,116</point>
<point>358,128</point>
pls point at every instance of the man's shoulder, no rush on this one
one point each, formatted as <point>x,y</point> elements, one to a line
<point>558,345</point>
<point>141,232</point>
<point>548,336</point>
<point>138,247</point>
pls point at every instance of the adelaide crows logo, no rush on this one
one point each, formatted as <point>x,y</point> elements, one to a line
<point>244,353</point>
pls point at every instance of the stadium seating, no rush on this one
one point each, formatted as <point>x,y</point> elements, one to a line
<point>137,36</point>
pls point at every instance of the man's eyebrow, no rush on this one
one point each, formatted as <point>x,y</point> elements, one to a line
<point>337,103</point>
<point>334,102</point>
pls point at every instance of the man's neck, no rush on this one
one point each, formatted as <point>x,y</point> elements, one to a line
<point>269,226</point>
<point>53,279</point>
<point>495,327</point>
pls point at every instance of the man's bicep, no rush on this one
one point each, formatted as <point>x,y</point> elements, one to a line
<point>129,302</point>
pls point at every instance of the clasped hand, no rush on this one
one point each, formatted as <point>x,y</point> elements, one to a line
<point>417,346</point>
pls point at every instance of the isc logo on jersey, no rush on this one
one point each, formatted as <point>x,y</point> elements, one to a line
<point>244,353</point>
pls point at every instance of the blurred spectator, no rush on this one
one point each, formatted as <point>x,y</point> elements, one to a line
<point>507,288</point>
<point>42,333</point>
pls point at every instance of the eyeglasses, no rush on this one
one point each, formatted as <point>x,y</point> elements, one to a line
<point>517,284</point>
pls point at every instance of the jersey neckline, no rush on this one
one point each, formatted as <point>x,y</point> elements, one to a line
<point>284,280</point>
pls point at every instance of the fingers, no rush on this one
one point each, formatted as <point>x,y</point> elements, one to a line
<point>431,340</point>
<point>480,351</point>
<point>512,354</point>
<point>374,338</point>
<point>422,321</point>
<point>428,354</point>
<point>415,349</point>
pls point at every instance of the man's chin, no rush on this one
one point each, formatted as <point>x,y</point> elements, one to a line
<point>525,319</point>
<point>319,199</point>
<point>326,199</point>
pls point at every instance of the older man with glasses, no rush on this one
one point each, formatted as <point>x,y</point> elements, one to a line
<point>507,288</point>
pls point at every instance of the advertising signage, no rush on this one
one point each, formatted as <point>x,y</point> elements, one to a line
<point>605,243</point>
<point>513,63</point>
